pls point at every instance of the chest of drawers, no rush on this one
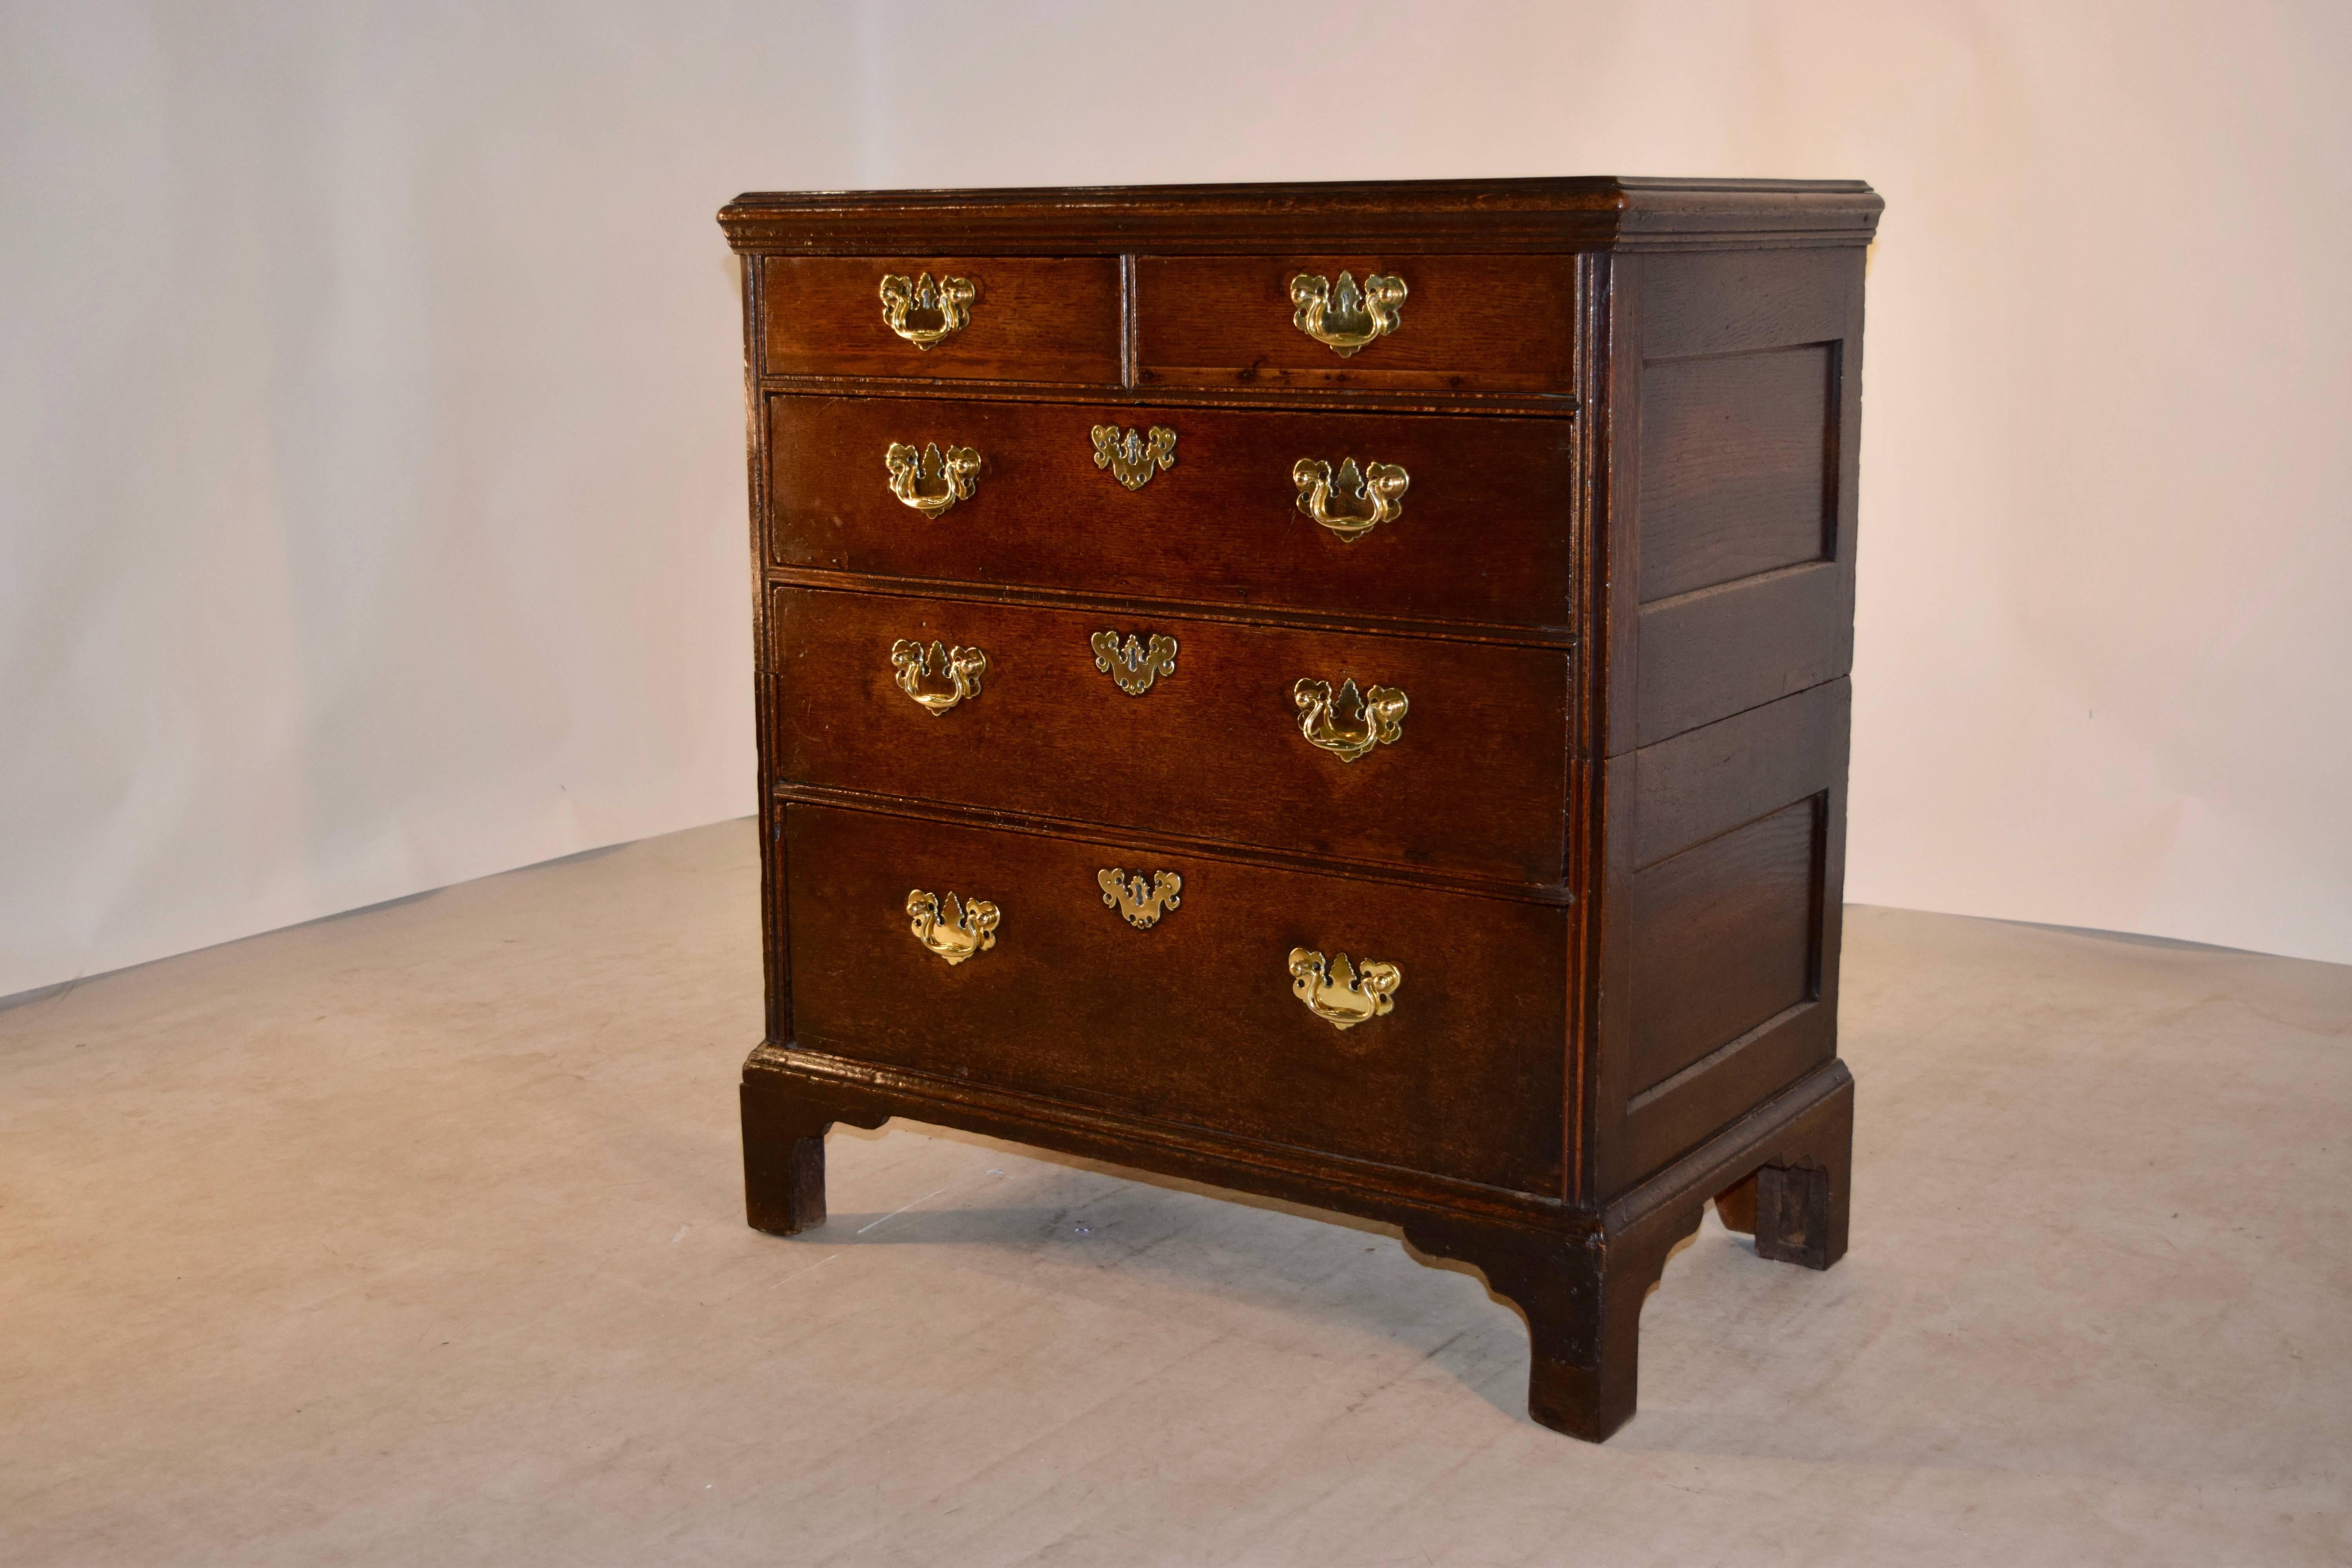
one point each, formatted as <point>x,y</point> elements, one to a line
<point>1336,691</point>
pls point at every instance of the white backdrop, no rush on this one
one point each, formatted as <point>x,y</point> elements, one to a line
<point>371,491</point>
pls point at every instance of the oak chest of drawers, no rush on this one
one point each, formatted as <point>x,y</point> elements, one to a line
<point>1337,691</point>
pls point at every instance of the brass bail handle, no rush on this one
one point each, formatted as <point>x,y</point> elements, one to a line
<point>1323,717</point>
<point>1371,496</point>
<point>961,932</point>
<point>1341,993</point>
<point>931,481</point>
<point>1344,319</point>
<point>960,667</point>
<point>922,312</point>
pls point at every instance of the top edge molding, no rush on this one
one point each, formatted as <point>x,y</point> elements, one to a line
<point>1589,212</point>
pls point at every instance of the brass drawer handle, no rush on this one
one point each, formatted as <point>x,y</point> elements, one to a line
<point>1141,905</point>
<point>1133,458</point>
<point>1380,487</point>
<point>1379,716</point>
<point>922,312</point>
<point>1135,665</point>
<point>950,475</point>
<point>967,929</point>
<point>960,667</point>
<point>1339,993</point>
<point>1344,319</point>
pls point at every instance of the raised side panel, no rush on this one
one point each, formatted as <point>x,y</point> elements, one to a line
<point>1736,536</point>
<point>1745,900</point>
<point>1737,453</point>
<point>1728,871</point>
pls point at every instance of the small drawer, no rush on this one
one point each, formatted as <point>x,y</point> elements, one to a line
<point>956,318</point>
<point>1189,727</point>
<point>1461,519</point>
<point>1196,1018</point>
<point>1465,323</point>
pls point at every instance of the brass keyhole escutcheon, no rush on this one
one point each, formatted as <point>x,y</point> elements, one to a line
<point>922,312</point>
<point>1133,457</point>
<point>1366,498</point>
<point>1134,665</point>
<point>1348,724</point>
<point>1344,319</point>
<point>931,481</point>
<point>1138,902</point>
<point>919,667</point>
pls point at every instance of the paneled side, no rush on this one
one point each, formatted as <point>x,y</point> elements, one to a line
<point>1737,453</point>
<point>1736,532</point>
<point>1727,867</point>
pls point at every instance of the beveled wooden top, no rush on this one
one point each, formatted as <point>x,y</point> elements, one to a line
<point>1603,212</point>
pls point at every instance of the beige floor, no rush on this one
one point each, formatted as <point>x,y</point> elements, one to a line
<point>414,1236</point>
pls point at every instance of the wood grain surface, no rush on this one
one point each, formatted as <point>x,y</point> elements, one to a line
<point>1480,538</point>
<point>1608,851</point>
<point>1732,567</point>
<point>1547,214</point>
<point>1033,319</point>
<point>1191,1021</point>
<point>1745,899</point>
<point>1493,323</point>
<point>1737,462</point>
<point>1476,786</point>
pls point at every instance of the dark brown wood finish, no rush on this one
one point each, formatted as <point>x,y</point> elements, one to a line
<point>1213,750</point>
<point>1745,899</point>
<point>1751,364</point>
<point>1743,451</point>
<point>1478,539</point>
<point>1548,216</point>
<point>1032,319</point>
<point>1481,324</point>
<point>1737,852</point>
<point>1607,852</point>
<point>1050,1010</point>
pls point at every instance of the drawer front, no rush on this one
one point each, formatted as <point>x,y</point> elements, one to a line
<point>1473,782</point>
<point>1025,320</point>
<point>1196,1018</point>
<point>1472,323</point>
<point>1480,531</point>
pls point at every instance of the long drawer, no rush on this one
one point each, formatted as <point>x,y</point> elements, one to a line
<point>1190,1004</point>
<point>1197,728</point>
<point>1478,531</point>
